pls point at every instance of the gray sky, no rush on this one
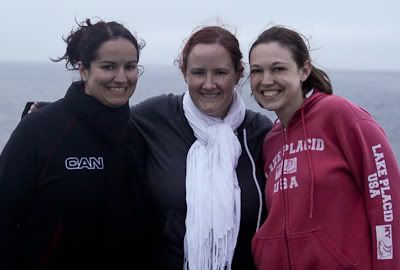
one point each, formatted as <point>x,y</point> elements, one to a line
<point>345,34</point>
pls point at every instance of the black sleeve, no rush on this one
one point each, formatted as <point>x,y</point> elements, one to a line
<point>17,177</point>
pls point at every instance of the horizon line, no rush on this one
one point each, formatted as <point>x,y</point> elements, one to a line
<point>333,69</point>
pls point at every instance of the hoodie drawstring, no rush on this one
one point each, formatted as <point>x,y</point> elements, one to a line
<point>310,164</point>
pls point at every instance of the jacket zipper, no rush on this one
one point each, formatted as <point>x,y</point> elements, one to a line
<point>285,203</point>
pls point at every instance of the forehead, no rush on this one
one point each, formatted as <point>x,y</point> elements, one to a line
<point>209,54</point>
<point>117,50</point>
<point>270,52</point>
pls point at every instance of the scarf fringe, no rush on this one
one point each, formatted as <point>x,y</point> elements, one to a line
<point>213,255</point>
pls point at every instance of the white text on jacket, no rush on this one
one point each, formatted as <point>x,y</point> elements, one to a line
<point>90,163</point>
<point>379,183</point>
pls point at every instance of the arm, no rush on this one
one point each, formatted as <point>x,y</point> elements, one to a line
<point>376,170</point>
<point>17,175</point>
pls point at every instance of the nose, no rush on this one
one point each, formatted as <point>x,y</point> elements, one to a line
<point>267,78</point>
<point>209,83</point>
<point>120,76</point>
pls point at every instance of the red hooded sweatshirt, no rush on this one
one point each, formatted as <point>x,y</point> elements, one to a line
<point>334,203</point>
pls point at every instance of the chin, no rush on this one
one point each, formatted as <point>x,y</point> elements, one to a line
<point>210,112</point>
<point>117,103</point>
<point>269,107</point>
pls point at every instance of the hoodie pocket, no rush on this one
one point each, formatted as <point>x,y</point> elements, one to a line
<point>315,250</point>
<point>308,250</point>
<point>270,253</point>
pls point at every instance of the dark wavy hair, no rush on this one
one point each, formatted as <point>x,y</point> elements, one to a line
<point>84,41</point>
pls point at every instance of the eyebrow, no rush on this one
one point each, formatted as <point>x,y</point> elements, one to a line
<point>111,62</point>
<point>218,68</point>
<point>279,63</point>
<point>273,64</point>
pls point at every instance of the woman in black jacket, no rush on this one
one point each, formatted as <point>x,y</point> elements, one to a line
<point>66,175</point>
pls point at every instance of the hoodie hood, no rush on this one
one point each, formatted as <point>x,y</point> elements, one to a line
<point>308,103</point>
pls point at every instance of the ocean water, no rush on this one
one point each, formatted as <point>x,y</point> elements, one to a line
<point>377,92</point>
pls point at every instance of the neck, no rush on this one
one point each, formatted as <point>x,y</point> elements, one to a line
<point>286,113</point>
<point>284,120</point>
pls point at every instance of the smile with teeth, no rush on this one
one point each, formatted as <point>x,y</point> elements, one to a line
<point>269,93</point>
<point>117,89</point>
<point>209,95</point>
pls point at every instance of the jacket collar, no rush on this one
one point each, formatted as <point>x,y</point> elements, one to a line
<point>110,123</point>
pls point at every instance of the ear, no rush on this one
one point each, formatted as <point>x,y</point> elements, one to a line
<point>239,74</point>
<point>184,75</point>
<point>83,72</point>
<point>306,70</point>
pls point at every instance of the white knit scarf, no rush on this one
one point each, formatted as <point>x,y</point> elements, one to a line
<point>212,188</point>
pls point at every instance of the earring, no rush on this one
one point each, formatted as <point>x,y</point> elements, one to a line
<point>84,79</point>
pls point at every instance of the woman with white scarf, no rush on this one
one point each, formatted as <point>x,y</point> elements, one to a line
<point>204,174</point>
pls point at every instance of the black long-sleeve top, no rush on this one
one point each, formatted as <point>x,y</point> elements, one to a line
<point>168,137</point>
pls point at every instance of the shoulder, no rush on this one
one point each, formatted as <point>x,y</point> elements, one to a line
<point>41,123</point>
<point>159,113</point>
<point>44,121</point>
<point>343,117</point>
<point>256,124</point>
<point>162,104</point>
<point>342,108</point>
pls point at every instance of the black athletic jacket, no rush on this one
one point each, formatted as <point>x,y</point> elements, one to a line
<point>66,188</point>
<point>168,137</point>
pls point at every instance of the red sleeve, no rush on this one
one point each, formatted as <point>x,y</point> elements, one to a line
<point>376,171</point>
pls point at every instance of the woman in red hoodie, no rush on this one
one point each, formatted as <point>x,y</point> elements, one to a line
<point>333,188</point>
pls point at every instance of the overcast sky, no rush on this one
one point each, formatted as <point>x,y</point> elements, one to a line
<point>345,34</point>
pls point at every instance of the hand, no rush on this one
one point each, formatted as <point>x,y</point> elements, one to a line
<point>33,107</point>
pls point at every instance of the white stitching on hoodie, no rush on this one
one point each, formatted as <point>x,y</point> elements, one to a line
<point>254,178</point>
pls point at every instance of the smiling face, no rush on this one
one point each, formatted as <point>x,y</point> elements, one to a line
<point>276,79</point>
<point>113,74</point>
<point>211,78</point>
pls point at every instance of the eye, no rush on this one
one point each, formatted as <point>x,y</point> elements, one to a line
<point>197,72</point>
<point>131,66</point>
<point>221,72</point>
<point>278,68</point>
<point>108,67</point>
<point>255,71</point>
